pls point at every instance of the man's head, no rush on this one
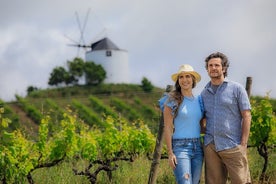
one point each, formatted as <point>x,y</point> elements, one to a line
<point>222,57</point>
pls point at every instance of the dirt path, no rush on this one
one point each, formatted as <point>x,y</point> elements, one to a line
<point>27,124</point>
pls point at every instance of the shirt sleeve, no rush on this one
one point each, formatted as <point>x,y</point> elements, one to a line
<point>172,105</point>
<point>244,103</point>
<point>162,101</point>
<point>201,103</point>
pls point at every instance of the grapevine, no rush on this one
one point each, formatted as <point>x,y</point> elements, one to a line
<point>73,140</point>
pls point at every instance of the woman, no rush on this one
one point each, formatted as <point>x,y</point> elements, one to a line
<point>182,114</point>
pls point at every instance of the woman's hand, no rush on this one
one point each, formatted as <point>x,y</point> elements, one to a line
<point>172,161</point>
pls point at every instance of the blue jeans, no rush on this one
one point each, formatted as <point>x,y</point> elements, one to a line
<point>189,155</point>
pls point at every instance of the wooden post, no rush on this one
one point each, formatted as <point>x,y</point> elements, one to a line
<point>157,153</point>
<point>248,85</point>
<point>158,147</point>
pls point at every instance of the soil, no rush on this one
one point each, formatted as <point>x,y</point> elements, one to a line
<point>27,125</point>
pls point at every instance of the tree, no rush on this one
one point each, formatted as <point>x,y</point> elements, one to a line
<point>146,85</point>
<point>95,74</point>
<point>263,130</point>
<point>31,89</point>
<point>76,69</point>
<point>58,75</point>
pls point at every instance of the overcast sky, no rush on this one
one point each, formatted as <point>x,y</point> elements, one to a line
<point>159,35</point>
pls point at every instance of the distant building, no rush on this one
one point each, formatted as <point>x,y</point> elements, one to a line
<point>113,60</point>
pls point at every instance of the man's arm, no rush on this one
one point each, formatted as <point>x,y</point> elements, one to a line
<point>246,122</point>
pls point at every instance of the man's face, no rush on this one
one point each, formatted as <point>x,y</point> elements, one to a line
<point>214,69</point>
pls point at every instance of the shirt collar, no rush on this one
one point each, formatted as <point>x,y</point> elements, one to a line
<point>208,86</point>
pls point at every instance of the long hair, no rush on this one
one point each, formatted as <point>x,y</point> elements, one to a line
<point>176,94</point>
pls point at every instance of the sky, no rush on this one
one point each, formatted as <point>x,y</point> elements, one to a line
<point>159,36</point>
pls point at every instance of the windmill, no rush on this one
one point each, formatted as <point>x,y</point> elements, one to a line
<point>104,52</point>
<point>81,44</point>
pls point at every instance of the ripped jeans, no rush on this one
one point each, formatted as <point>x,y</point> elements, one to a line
<point>189,155</point>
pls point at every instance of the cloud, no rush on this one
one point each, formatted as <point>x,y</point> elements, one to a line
<point>27,58</point>
<point>158,35</point>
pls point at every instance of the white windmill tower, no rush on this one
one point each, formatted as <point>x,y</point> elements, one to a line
<point>113,59</point>
<point>104,52</point>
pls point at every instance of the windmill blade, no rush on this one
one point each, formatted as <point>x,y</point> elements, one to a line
<point>79,26</point>
<point>82,27</point>
<point>99,35</point>
<point>73,45</point>
<point>71,39</point>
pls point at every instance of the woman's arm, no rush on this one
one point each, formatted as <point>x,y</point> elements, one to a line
<point>168,131</point>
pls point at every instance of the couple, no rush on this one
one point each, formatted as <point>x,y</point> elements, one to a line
<point>225,106</point>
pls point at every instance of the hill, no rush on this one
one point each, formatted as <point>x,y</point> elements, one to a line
<point>90,103</point>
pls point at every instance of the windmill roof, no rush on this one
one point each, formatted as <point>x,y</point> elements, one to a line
<point>104,44</point>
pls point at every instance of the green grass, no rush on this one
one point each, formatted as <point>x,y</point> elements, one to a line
<point>60,174</point>
<point>137,172</point>
<point>256,164</point>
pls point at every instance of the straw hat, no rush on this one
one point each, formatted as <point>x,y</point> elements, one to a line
<point>187,69</point>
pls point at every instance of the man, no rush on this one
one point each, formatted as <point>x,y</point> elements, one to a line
<point>228,119</point>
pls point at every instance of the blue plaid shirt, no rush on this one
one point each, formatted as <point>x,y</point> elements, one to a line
<point>223,114</point>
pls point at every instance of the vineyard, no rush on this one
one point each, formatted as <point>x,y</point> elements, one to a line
<point>94,135</point>
<point>100,127</point>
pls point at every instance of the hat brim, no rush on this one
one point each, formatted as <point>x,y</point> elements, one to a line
<point>195,74</point>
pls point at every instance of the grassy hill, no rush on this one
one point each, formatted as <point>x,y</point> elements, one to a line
<point>90,103</point>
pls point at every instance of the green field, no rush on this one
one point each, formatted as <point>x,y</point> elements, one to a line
<point>130,102</point>
<point>138,172</point>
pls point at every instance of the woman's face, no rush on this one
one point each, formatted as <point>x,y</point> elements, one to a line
<point>185,80</point>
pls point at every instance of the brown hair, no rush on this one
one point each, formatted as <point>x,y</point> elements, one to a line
<point>224,61</point>
<point>176,93</point>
